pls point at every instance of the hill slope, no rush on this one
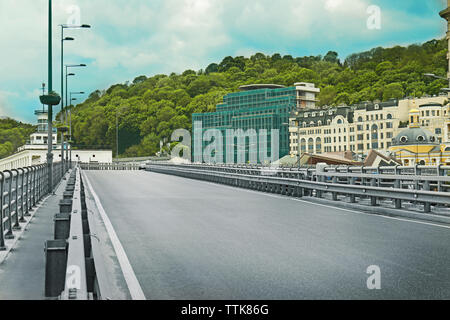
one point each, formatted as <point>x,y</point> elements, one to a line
<point>149,109</point>
<point>13,134</point>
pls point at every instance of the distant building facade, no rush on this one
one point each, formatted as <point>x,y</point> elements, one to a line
<point>362,127</point>
<point>34,152</point>
<point>256,107</point>
<point>417,145</point>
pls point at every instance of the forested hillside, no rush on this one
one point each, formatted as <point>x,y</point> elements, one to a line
<point>13,134</point>
<point>149,109</point>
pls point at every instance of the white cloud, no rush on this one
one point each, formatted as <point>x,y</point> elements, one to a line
<point>134,37</point>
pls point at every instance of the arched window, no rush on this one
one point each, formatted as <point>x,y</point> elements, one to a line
<point>339,121</point>
<point>303,145</point>
<point>374,132</point>
<point>389,116</point>
<point>310,145</point>
<point>318,145</point>
<point>360,119</point>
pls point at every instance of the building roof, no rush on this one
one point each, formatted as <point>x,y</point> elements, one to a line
<point>414,136</point>
<point>375,158</point>
<point>433,104</point>
<point>329,158</point>
<point>260,86</point>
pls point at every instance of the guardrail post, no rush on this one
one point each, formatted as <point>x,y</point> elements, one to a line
<point>352,181</point>
<point>440,173</point>
<point>9,234</point>
<point>334,194</point>
<point>22,217</point>
<point>27,193</point>
<point>373,199</point>
<point>418,172</point>
<point>397,202</point>
<point>16,226</point>
<point>33,186</point>
<point>2,231</point>
<point>426,205</point>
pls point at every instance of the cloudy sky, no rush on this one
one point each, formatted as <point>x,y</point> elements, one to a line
<point>134,37</point>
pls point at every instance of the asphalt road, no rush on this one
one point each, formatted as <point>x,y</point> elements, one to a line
<point>188,239</point>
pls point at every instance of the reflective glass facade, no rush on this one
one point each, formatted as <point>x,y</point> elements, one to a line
<point>254,109</point>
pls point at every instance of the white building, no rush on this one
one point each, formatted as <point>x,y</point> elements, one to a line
<point>306,95</point>
<point>34,152</point>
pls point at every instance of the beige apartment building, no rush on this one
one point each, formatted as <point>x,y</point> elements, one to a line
<point>363,127</point>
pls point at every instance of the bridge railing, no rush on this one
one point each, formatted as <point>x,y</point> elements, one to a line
<point>110,166</point>
<point>20,190</point>
<point>374,184</point>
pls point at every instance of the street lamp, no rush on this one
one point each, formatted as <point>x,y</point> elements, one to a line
<point>71,74</point>
<point>70,121</point>
<point>62,92</point>
<point>432,75</point>
<point>65,26</point>
<point>51,99</point>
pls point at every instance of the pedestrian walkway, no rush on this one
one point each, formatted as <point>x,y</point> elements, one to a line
<point>22,273</point>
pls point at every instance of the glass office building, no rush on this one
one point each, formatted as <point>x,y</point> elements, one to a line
<point>255,107</point>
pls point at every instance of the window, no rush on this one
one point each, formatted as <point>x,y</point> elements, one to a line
<point>389,116</point>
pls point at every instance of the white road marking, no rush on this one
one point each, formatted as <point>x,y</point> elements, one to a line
<point>130,277</point>
<point>322,205</point>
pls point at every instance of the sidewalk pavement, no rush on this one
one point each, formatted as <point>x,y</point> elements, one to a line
<point>22,270</point>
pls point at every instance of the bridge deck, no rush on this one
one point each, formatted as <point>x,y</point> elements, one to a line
<point>188,239</point>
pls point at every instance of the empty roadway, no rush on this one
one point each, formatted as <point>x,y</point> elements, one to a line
<point>188,239</point>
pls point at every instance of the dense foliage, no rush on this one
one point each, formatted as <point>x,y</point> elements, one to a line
<point>13,134</point>
<point>149,109</point>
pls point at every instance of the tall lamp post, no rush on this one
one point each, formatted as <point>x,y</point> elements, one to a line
<point>67,104</point>
<point>62,93</point>
<point>70,124</point>
<point>51,99</point>
<point>65,26</point>
<point>68,66</point>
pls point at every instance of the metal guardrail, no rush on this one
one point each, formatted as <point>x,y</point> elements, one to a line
<point>406,177</point>
<point>110,166</point>
<point>76,283</point>
<point>20,190</point>
<point>429,190</point>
